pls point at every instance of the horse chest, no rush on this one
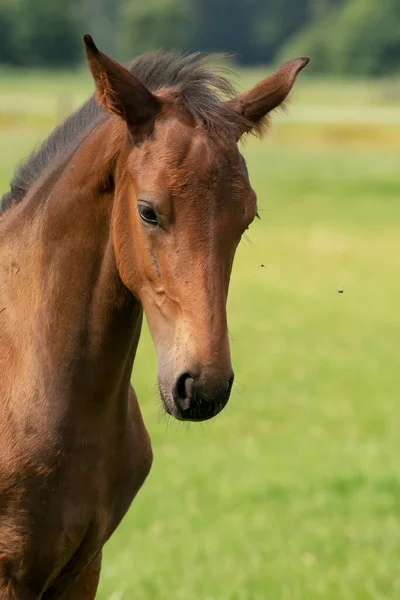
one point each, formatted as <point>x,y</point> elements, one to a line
<point>59,516</point>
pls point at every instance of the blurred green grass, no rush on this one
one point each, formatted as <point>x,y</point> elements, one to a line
<point>293,492</point>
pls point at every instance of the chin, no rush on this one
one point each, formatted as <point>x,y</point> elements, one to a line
<point>170,407</point>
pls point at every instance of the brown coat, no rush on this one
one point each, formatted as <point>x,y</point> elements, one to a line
<point>146,208</point>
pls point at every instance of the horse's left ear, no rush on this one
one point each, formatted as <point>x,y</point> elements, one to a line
<point>256,103</point>
<point>121,93</point>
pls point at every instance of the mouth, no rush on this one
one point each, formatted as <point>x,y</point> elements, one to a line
<point>199,410</point>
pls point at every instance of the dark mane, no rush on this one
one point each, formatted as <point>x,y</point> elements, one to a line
<point>200,88</point>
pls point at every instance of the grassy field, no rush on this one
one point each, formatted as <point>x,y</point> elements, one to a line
<point>293,492</point>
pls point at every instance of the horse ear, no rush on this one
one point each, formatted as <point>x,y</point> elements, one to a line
<point>256,103</point>
<point>120,93</point>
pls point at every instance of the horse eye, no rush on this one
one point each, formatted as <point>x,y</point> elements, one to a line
<point>147,214</point>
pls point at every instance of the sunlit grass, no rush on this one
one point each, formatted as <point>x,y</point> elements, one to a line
<point>293,492</point>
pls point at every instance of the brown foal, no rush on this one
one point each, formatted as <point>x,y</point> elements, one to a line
<point>138,201</point>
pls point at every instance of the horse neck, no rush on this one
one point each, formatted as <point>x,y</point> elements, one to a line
<point>80,322</point>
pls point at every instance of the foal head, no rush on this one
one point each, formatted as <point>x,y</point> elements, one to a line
<point>182,202</point>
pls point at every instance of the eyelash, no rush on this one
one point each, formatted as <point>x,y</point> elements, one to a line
<point>257,217</point>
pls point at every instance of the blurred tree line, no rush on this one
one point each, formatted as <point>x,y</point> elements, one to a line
<point>359,37</point>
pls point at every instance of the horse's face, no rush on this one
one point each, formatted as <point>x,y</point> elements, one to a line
<point>186,206</point>
<point>182,204</point>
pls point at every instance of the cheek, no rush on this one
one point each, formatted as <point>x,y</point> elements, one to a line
<point>227,248</point>
<point>157,278</point>
<point>131,248</point>
<point>155,263</point>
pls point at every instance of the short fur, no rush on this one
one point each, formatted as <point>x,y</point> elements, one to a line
<point>199,87</point>
<point>80,262</point>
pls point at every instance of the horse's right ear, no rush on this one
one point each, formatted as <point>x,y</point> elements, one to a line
<point>120,93</point>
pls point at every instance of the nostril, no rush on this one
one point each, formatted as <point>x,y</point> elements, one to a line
<point>197,398</point>
<point>184,388</point>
